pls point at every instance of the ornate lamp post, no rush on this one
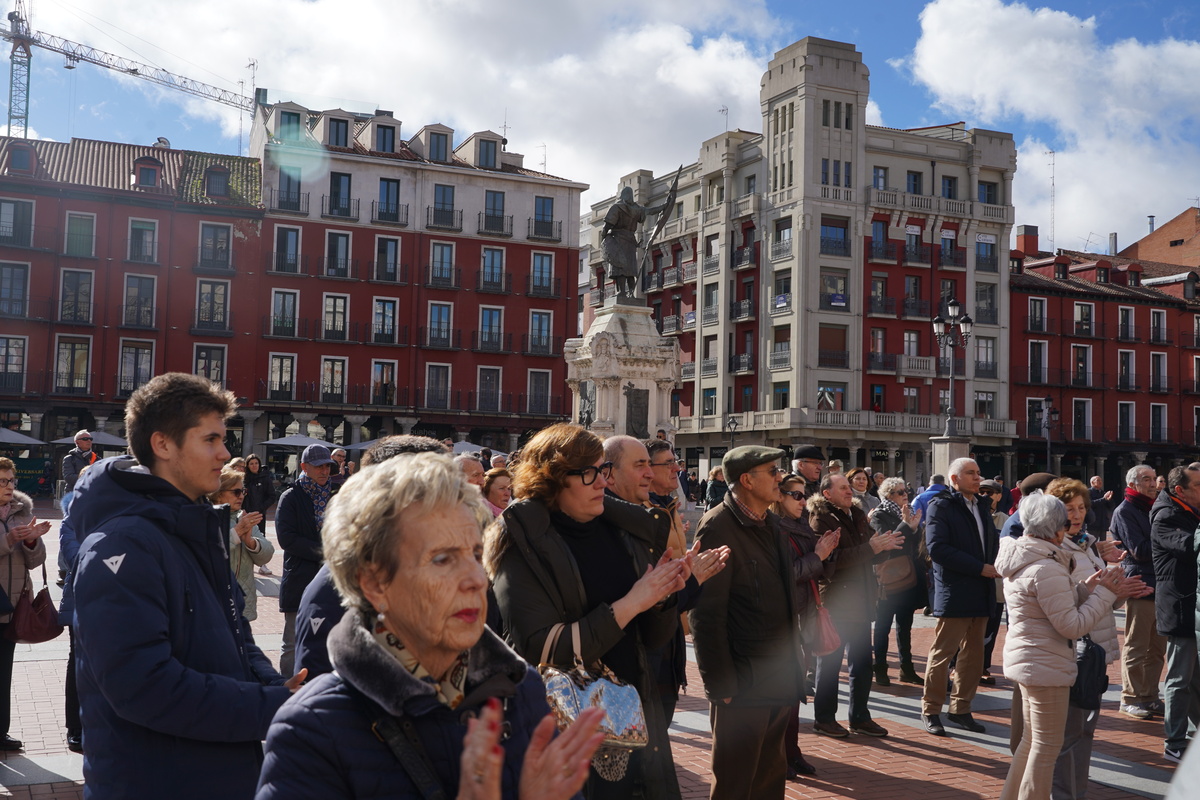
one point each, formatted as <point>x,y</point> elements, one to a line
<point>951,334</point>
<point>732,425</point>
<point>1049,417</point>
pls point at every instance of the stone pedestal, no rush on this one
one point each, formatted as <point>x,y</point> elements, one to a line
<point>621,373</point>
<point>945,450</point>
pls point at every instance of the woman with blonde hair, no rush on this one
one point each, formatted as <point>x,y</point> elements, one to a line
<point>248,547</point>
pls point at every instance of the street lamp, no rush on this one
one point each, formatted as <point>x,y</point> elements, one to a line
<point>732,424</point>
<point>1049,417</point>
<point>952,333</point>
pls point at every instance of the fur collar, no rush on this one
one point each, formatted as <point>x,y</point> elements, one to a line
<point>818,505</point>
<point>493,669</point>
<point>22,505</point>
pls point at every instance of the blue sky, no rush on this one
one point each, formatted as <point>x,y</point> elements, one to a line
<point>597,90</point>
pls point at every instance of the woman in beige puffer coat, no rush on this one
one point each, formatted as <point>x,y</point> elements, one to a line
<point>1047,610</point>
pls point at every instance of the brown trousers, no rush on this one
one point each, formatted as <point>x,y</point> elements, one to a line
<point>1143,654</point>
<point>747,751</point>
<point>962,635</point>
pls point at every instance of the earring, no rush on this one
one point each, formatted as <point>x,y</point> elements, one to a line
<point>382,611</point>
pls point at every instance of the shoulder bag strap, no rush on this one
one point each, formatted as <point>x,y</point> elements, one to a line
<point>401,738</point>
<point>551,642</point>
<point>575,644</point>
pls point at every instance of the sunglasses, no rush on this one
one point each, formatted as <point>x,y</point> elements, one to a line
<point>84,439</point>
<point>587,475</point>
<point>773,471</point>
<point>795,494</point>
<point>236,492</point>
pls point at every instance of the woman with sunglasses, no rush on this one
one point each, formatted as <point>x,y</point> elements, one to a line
<point>808,565</point>
<point>895,514</point>
<point>248,547</point>
<point>566,552</point>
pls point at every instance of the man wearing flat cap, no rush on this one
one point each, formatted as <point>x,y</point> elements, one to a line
<point>745,631</point>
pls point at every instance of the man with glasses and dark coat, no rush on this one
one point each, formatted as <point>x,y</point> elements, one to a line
<point>746,632</point>
<point>74,461</point>
<point>807,462</point>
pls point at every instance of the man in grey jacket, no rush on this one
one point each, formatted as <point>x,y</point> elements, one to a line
<point>74,461</point>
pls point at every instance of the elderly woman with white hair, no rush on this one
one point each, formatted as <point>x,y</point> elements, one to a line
<point>423,693</point>
<point>894,513</point>
<point>1045,615</point>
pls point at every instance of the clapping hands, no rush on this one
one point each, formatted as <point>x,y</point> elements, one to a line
<point>29,534</point>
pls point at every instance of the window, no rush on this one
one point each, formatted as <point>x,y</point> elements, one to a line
<point>81,235</point>
<point>216,182</point>
<point>214,246</point>
<point>442,264</point>
<point>146,175</point>
<point>849,115</point>
<point>71,365</point>
<point>491,323</point>
<point>339,132</point>
<point>837,114</point>
<point>949,187</point>
<point>943,401</point>
<point>708,402</point>
<point>1037,362</point>
<point>443,206</point>
<point>283,313</point>
<point>488,389</point>
<point>986,309</point>
<point>289,126</point>
<point>912,343</point>
<point>912,404</point>
<point>542,273</point>
<point>877,397</point>
<point>212,305</point>
<point>1081,419</point>
<point>837,172</point>
<point>833,291</point>
<point>20,159</point>
<point>825,113</point>
<point>385,138</point>
<point>1158,422</point>
<point>988,194</point>
<point>137,366</point>
<point>437,385</point>
<point>539,332</point>
<point>824,171</point>
<point>913,183</point>
<point>333,380</point>
<point>383,383</point>
<point>388,209</point>
<point>282,377</point>
<point>834,240</point>
<point>16,223</point>
<point>76,298</point>
<point>985,357</point>
<point>493,269</point>
<point>210,363</point>
<point>779,395</point>
<point>493,213</point>
<point>1158,326</point>
<point>750,183</point>
<point>336,307</point>
<point>487,153</point>
<point>879,178</point>
<point>339,194</point>
<point>1037,314</point>
<point>337,255</point>
<point>1034,407</point>
<point>387,257</point>
<point>14,289</point>
<point>289,189</point>
<point>439,147</point>
<point>439,324</point>
<point>1083,319</point>
<point>1126,419</point>
<point>287,250</point>
<point>12,363</point>
<point>1125,370</point>
<point>1158,372</point>
<point>543,217</point>
<point>1081,363</point>
<point>831,396</point>
<point>1125,328</point>
<point>139,301</point>
<point>384,322</point>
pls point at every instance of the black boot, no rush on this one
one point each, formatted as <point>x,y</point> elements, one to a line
<point>881,675</point>
<point>909,675</point>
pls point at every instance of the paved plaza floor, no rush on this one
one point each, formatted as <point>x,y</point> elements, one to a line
<point>1127,761</point>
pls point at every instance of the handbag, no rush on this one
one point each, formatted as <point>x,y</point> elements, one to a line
<point>1091,680</point>
<point>570,692</point>
<point>34,618</point>
<point>825,637</point>
<point>895,575</point>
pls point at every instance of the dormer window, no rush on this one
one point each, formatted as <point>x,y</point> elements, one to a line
<point>385,138</point>
<point>146,172</point>
<point>339,132</point>
<point>1135,278</point>
<point>439,147</point>
<point>289,126</point>
<point>20,159</point>
<point>1060,271</point>
<point>1101,274</point>
<point>216,182</point>
<point>487,153</point>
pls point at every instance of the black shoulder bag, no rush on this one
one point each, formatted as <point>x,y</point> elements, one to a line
<point>401,737</point>
<point>1091,681</point>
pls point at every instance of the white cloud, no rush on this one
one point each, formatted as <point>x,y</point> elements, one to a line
<point>1120,115</point>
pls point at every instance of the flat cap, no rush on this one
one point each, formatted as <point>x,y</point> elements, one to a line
<point>316,455</point>
<point>1038,480</point>
<point>808,451</point>
<point>740,460</point>
<point>992,485</point>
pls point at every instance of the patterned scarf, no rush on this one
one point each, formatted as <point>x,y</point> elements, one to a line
<point>450,690</point>
<point>319,496</point>
<point>888,507</point>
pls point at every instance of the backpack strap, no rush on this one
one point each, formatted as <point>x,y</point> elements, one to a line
<point>400,735</point>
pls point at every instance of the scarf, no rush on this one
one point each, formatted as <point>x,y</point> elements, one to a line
<point>1138,500</point>
<point>888,507</point>
<point>450,690</point>
<point>319,496</point>
<point>1184,505</point>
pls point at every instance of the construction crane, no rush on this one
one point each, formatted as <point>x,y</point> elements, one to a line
<point>24,39</point>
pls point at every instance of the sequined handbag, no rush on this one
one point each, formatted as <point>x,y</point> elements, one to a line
<point>569,692</point>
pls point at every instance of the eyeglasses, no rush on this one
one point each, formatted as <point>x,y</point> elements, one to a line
<point>587,475</point>
<point>236,492</point>
<point>795,494</point>
<point>773,471</point>
<point>6,482</point>
<point>671,463</point>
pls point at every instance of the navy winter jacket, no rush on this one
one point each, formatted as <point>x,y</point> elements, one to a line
<point>321,746</point>
<point>958,555</point>
<point>320,609</point>
<point>1131,527</point>
<point>175,695</point>
<point>300,537</point>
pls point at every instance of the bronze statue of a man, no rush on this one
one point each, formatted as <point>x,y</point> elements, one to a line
<point>619,241</point>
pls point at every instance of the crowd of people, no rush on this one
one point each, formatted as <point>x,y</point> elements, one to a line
<point>423,592</point>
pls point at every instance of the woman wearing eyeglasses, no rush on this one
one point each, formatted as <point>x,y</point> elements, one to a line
<point>248,547</point>
<point>895,514</point>
<point>564,552</point>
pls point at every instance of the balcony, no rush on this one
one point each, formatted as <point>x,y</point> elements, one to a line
<point>284,263</point>
<point>541,345</point>
<point>1160,335</point>
<point>128,384</point>
<point>739,311</point>
<point>540,405</point>
<point>943,366</point>
<point>1127,332</point>
<point>445,219</point>
<point>338,267</point>
<point>389,272</point>
<point>833,359</point>
<point>284,391</point>
<point>741,363</point>
<point>689,320</point>
<point>491,342</point>
<point>31,237</point>
<point>986,369</point>
<point>72,383</point>
<point>214,260</point>
<point>1088,328</point>
<point>493,281</point>
<point>689,272</point>
<point>440,338</point>
<point>442,276</point>
<point>833,301</point>
<point>916,366</point>
<point>138,314</point>
<point>881,362</point>
<point>746,205</point>
<point>142,250</point>
<point>333,393</point>
<point>1161,384</point>
<point>708,367</point>
<point>918,254</point>
<point>745,257</point>
<point>495,224</point>
<point>671,277</point>
<point>284,326</point>
<point>288,202</point>
<point>916,308</point>
<point>712,264</point>
<point>781,303</point>
<point>988,315</point>
<point>986,263</point>
<point>881,305</point>
<point>1033,374</point>
<point>1041,325</point>
<point>75,312</point>
<point>1128,383</point>
<point>389,213</point>
<point>490,402</point>
<point>652,282</point>
<point>924,204</point>
<point>546,230</point>
<point>712,315</point>
<point>12,382</point>
<point>687,370</point>
<point>335,330</point>
<point>954,257</point>
<point>780,358</point>
<point>835,246</point>
<point>542,286</point>
<point>212,322</point>
<point>80,245</point>
<point>1083,379</point>
<point>781,249</point>
<point>671,324</point>
<point>882,251</point>
<point>338,207</point>
<point>389,333</point>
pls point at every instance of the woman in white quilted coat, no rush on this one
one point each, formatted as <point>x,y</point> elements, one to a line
<point>1047,610</point>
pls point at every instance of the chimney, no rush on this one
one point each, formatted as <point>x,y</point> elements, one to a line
<point>1151,218</point>
<point>1112,244</point>
<point>1027,239</point>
